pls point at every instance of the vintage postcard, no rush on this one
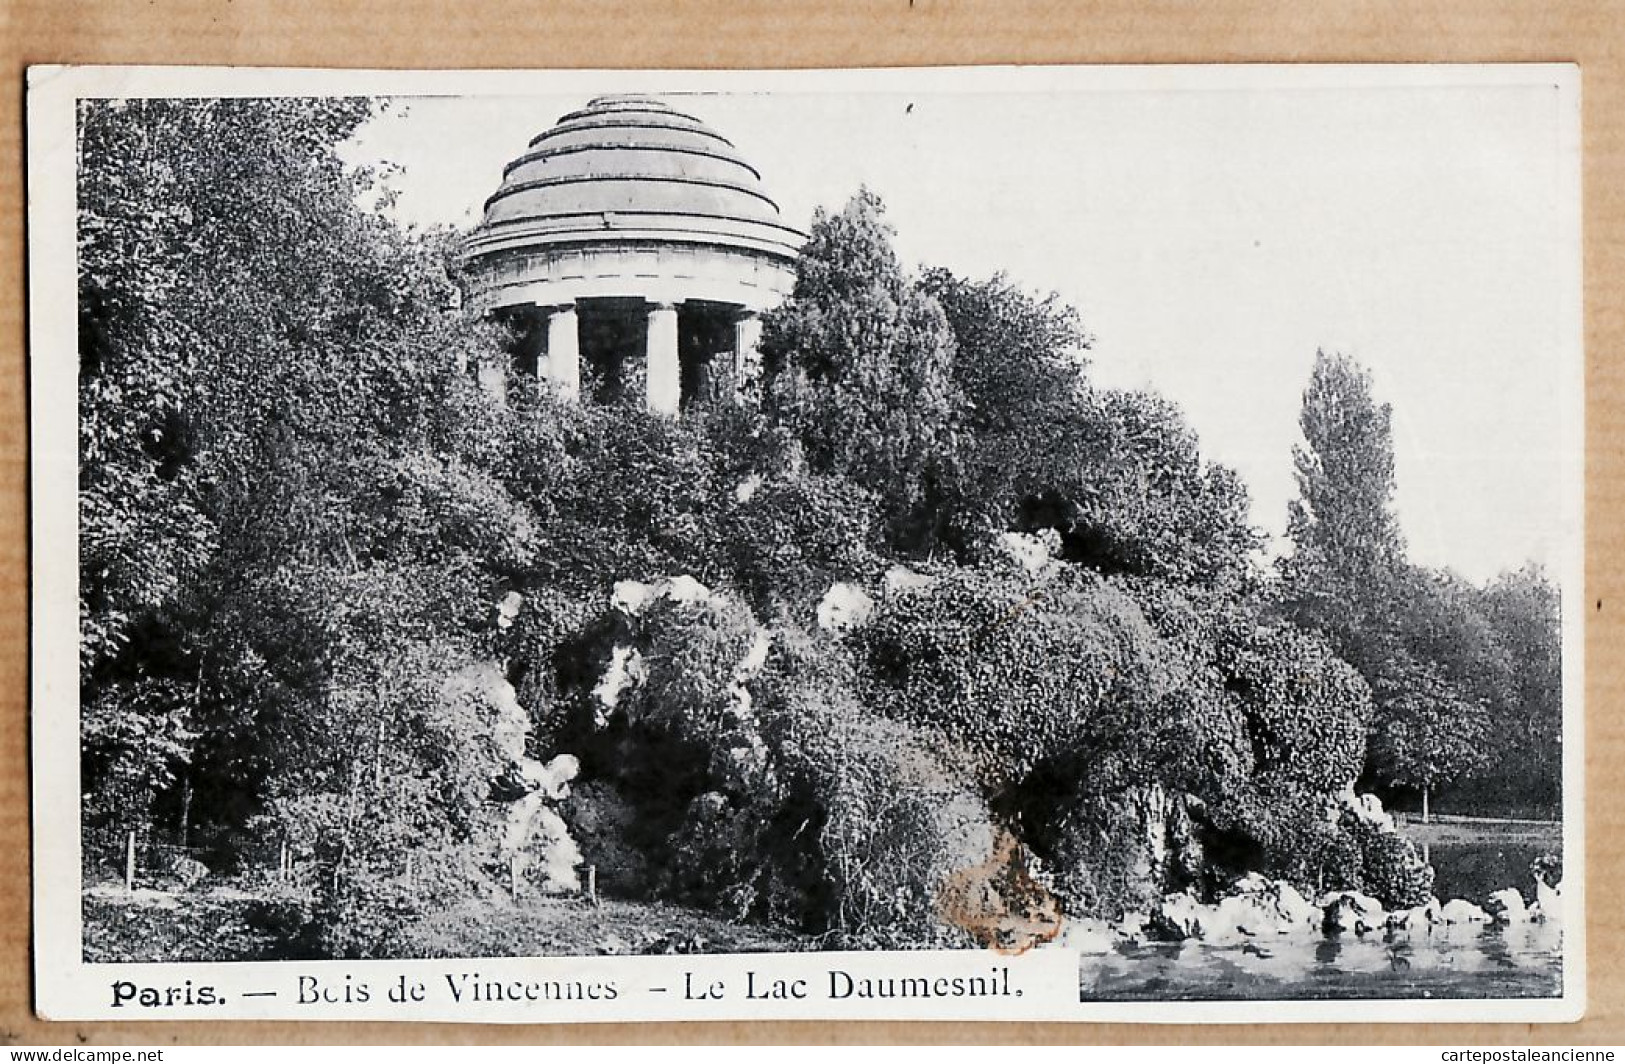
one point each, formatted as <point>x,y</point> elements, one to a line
<point>1041,543</point>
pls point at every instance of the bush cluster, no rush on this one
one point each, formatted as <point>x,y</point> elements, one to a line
<point>1007,666</point>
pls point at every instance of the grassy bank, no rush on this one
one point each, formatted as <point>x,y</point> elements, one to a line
<point>221,924</point>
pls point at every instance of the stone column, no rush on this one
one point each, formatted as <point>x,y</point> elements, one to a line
<point>663,371</point>
<point>747,359</point>
<point>564,351</point>
<point>536,341</point>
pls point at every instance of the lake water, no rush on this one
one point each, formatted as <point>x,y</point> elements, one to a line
<point>1446,962</point>
<point>1475,870</point>
<point>1470,861</point>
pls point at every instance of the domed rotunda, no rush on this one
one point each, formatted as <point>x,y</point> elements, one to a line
<point>632,247</point>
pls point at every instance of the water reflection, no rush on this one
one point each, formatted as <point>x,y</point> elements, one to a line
<point>1464,961</point>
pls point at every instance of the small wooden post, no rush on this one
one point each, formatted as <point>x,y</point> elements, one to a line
<point>282,863</point>
<point>592,885</point>
<point>513,876</point>
<point>409,857</point>
<point>129,863</point>
<point>186,813</point>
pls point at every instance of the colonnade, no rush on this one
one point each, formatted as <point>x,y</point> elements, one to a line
<point>663,371</point>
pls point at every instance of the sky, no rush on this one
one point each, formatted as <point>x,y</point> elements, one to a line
<point>1212,238</point>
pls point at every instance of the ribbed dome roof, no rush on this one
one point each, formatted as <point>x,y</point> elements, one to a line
<point>633,161</point>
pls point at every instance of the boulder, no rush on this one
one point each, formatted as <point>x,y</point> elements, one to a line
<point>1549,901</point>
<point>1417,918</point>
<point>508,609</point>
<point>1458,911</point>
<point>1507,907</point>
<point>1363,807</point>
<point>552,779</point>
<point>1353,912</point>
<point>685,589</point>
<point>188,872</point>
<point>1088,937</point>
<point>1237,917</point>
<point>630,596</point>
<point>901,578</point>
<point>1180,916</point>
<point>626,670</point>
<point>1279,902</point>
<point>1133,927</point>
<point>1034,552</point>
<point>1259,906</point>
<point>844,608</point>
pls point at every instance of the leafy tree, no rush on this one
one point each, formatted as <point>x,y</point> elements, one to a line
<point>1431,657</point>
<point>1428,733</point>
<point>1149,504</point>
<point>1525,741</point>
<point>265,374</point>
<point>1012,668</point>
<point>1343,518</point>
<point>1306,710</point>
<point>1019,369</point>
<point>1119,475</point>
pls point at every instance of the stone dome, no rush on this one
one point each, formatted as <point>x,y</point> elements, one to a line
<point>624,175</point>
<point>632,249</point>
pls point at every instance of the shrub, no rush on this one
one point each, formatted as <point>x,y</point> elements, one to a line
<point>1306,709</point>
<point>1113,852</point>
<point>898,821</point>
<point>1005,666</point>
<point>876,813</point>
<point>1394,874</point>
<point>1389,869</point>
<point>693,653</point>
<point>360,916</point>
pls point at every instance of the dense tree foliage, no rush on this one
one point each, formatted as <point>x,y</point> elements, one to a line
<point>1444,674</point>
<point>857,364</point>
<point>344,603</point>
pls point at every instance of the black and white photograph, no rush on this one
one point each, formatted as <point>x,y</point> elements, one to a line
<point>1065,543</point>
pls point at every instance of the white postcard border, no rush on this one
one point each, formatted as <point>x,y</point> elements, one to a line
<point>68,988</point>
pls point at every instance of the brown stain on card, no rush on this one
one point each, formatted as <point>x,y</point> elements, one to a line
<point>1000,903</point>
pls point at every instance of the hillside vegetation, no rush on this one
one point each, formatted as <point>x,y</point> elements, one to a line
<point>929,635</point>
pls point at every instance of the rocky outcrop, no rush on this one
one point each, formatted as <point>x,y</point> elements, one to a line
<point>1416,918</point>
<point>1507,907</point>
<point>1458,911</point>
<point>534,845</point>
<point>1123,849</point>
<point>1255,907</point>
<point>1350,912</point>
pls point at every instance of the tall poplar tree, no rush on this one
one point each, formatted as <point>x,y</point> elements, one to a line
<point>1348,578</point>
<point>1343,516</point>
